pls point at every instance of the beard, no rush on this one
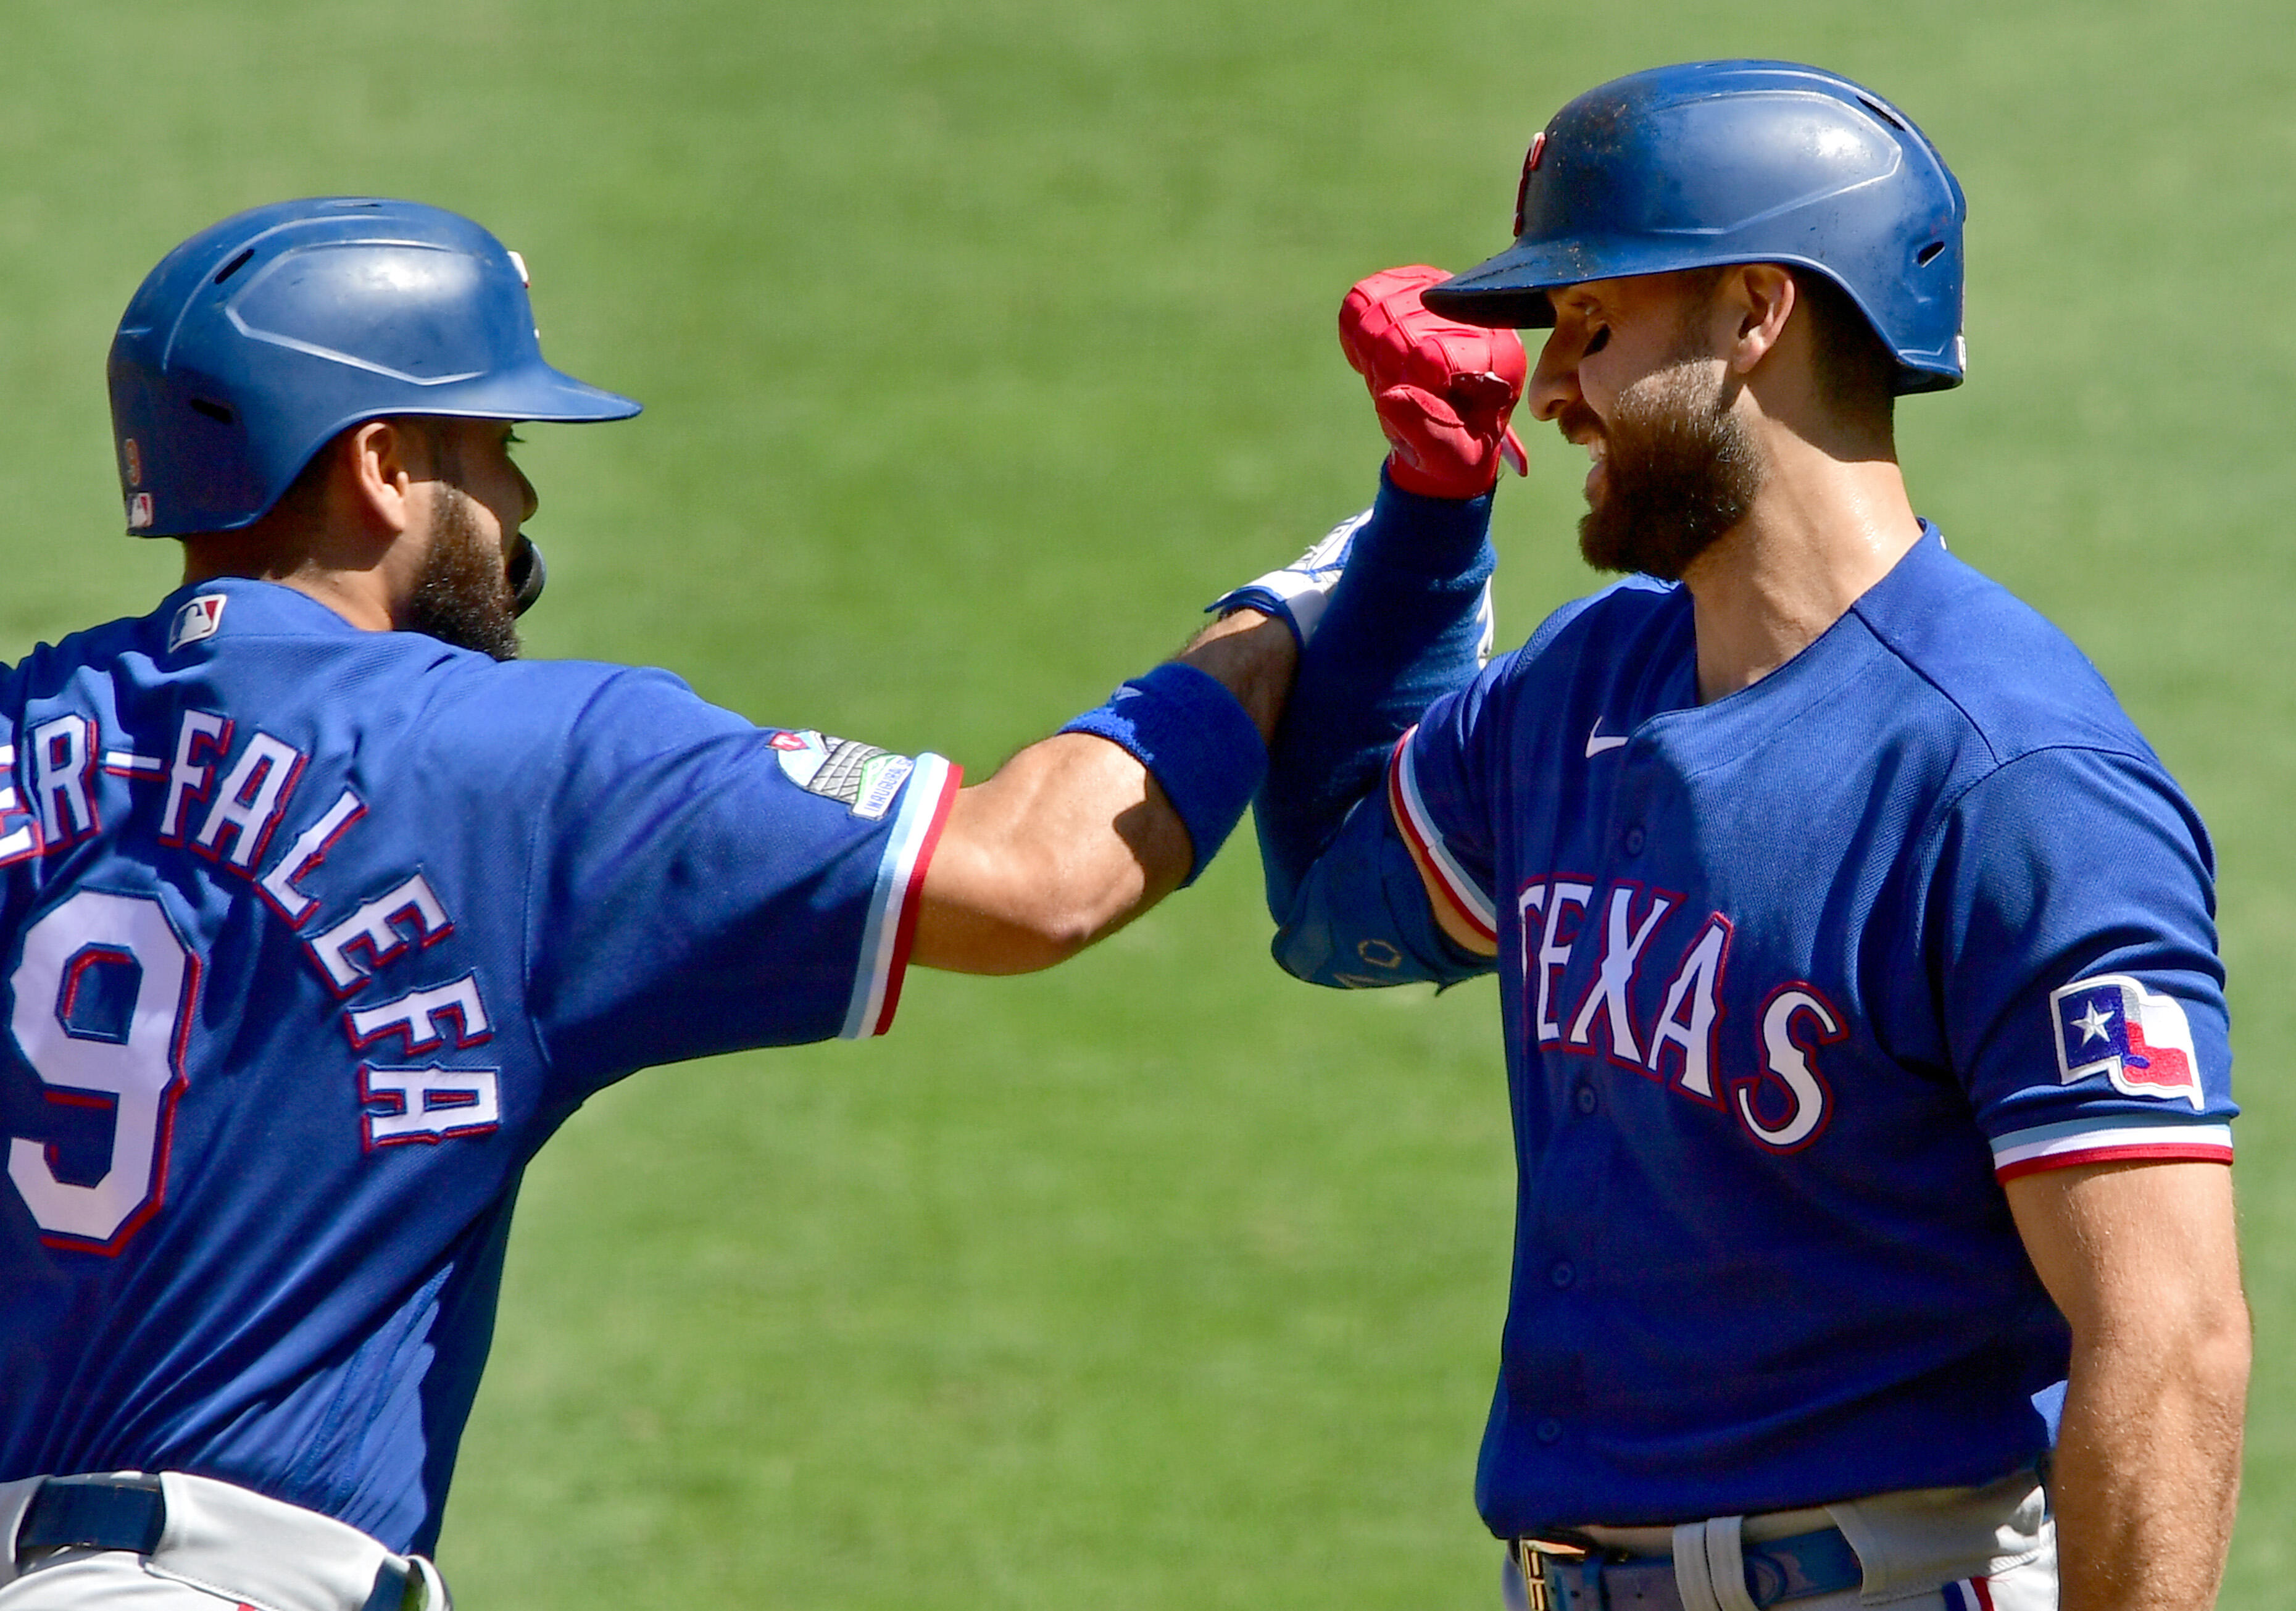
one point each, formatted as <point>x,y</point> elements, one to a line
<point>1678,470</point>
<point>462,594</point>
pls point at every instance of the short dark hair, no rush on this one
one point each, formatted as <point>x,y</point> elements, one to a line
<point>1855,372</point>
<point>304,496</point>
<point>304,493</point>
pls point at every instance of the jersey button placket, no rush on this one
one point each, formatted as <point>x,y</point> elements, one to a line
<point>1585,1100</point>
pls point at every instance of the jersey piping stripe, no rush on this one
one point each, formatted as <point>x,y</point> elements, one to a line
<point>892,923</point>
<point>1477,909</point>
<point>2109,1140</point>
<point>905,932</point>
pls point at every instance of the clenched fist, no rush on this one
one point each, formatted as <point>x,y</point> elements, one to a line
<point>1443,390</point>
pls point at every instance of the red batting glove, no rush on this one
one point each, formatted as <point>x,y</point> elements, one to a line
<point>1443,390</point>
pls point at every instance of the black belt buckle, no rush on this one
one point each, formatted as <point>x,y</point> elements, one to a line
<point>1532,1556</point>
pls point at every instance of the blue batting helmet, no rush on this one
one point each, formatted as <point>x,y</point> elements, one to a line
<point>255,342</point>
<point>1716,162</point>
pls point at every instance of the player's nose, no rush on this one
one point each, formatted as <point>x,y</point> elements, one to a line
<point>1554,379</point>
<point>531,500</point>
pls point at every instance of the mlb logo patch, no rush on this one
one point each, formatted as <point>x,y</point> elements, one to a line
<point>198,619</point>
<point>139,512</point>
<point>2113,1025</point>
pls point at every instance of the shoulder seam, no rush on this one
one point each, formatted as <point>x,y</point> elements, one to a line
<point>1948,805</point>
<point>1873,628</point>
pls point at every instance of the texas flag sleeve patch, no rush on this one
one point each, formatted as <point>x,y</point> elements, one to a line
<point>2113,1025</point>
<point>2143,1044</point>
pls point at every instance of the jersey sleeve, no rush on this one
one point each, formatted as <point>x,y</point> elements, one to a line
<point>1438,787</point>
<point>2074,939</point>
<point>1408,621</point>
<point>1447,778</point>
<point>702,884</point>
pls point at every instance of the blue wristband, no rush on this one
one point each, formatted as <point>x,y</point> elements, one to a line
<point>1195,740</point>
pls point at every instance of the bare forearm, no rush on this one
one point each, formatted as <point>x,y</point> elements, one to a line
<point>2143,1261</point>
<point>1072,838</point>
<point>1255,655</point>
<point>2147,1471</point>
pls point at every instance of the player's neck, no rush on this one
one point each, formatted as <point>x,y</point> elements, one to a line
<point>1823,531</point>
<point>353,594</point>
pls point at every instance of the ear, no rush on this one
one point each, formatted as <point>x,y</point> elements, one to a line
<point>1763,295</point>
<point>377,466</point>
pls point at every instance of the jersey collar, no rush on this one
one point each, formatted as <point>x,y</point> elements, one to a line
<point>235,606</point>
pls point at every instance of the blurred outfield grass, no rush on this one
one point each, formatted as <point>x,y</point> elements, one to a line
<point>981,343</point>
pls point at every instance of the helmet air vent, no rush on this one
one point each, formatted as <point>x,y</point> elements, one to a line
<point>234,266</point>
<point>1923,257</point>
<point>219,412</point>
<point>1885,113</point>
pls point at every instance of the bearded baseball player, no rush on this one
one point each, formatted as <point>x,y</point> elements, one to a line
<point>319,912</point>
<point>1864,1029</point>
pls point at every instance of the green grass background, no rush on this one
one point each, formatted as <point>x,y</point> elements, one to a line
<point>981,343</point>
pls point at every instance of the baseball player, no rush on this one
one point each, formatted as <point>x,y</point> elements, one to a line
<point>1864,1029</point>
<point>319,912</point>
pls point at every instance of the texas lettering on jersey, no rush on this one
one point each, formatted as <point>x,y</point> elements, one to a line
<point>1784,1106</point>
<point>124,986</point>
<point>2109,1025</point>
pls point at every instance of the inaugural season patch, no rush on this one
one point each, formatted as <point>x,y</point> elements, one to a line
<point>862,776</point>
<point>2113,1025</point>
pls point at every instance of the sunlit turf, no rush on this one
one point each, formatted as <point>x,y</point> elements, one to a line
<point>981,344</point>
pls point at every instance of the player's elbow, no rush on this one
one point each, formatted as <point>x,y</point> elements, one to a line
<point>2188,1335</point>
<point>1009,911</point>
<point>2216,1343</point>
<point>1033,933</point>
<point>2187,1368</point>
<point>1056,905</point>
<point>1304,950</point>
<point>1355,922</point>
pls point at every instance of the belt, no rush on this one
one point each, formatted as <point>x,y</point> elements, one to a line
<point>130,1513</point>
<point>1570,1574</point>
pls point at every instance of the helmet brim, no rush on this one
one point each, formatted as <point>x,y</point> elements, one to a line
<point>534,391</point>
<point>1508,291</point>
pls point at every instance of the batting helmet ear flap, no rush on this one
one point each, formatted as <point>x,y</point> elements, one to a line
<point>527,575</point>
<point>1717,162</point>
<point>254,343</point>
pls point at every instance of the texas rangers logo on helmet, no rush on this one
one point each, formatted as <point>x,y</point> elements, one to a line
<point>2113,1025</point>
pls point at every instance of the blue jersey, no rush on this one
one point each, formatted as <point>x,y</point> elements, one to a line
<point>311,936</point>
<point>1789,982</point>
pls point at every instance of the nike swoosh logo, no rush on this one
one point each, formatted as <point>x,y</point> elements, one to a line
<point>1596,743</point>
